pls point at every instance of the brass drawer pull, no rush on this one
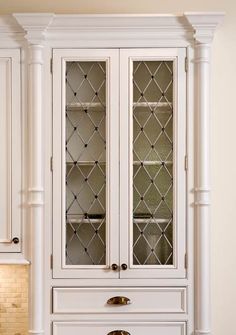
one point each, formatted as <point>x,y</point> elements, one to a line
<point>119,301</point>
<point>118,332</point>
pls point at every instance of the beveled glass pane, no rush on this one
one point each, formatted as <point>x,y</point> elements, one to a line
<point>85,163</point>
<point>152,162</point>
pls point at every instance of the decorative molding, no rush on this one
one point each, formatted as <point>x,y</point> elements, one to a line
<point>204,24</point>
<point>9,25</point>
<point>202,196</point>
<point>35,37</point>
<point>35,25</point>
<point>203,332</point>
<point>13,261</point>
<point>117,29</point>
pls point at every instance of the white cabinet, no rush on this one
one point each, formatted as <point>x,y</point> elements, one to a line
<point>152,300</point>
<point>119,148</point>
<point>114,192</point>
<point>10,151</point>
<point>74,328</point>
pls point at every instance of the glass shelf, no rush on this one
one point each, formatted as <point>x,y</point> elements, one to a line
<point>152,104</point>
<point>74,106</point>
<point>135,220</point>
<point>85,163</point>
<point>150,163</point>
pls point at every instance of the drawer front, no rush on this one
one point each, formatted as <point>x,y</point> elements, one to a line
<point>157,328</point>
<point>142,300</point>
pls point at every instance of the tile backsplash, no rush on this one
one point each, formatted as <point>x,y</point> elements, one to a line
<point>13,299</point>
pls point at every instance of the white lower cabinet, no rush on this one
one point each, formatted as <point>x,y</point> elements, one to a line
<point>74,300</point>
<point>119,328</point>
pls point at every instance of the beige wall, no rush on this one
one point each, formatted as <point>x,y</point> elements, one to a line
<point>223,129</point>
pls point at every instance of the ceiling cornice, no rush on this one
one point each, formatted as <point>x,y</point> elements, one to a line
<point>204,24</point>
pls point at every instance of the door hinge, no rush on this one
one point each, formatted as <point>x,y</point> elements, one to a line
<point>51,262</point>
<point>186,261</point>
<point>186,162</point>
<point>51,65</point>
<point>51,164</point>
<point>186,64</point>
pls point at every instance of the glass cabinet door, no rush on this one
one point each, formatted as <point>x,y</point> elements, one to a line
<point>152,166</point>
<point>119,125</point>
<point>89,168</point>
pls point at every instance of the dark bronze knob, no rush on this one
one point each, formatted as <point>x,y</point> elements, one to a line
<point>114,267</point>
<point>124,266</point>
<point>15,240</point>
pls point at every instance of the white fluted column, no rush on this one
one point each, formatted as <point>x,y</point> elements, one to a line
<point>36,189</point>
<point>204,26</point>
<point>202,190</point>
<point>35,26</point>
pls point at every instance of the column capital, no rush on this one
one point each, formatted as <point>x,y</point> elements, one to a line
<point>35,25</point>
<point>204,25</point>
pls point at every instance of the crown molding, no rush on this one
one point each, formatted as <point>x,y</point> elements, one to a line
<point>114,30</point>
<point>204,24</point>
<point>35,25</point>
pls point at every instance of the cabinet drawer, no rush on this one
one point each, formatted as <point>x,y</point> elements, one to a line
<point>142,300</point>
<point>151,328</point>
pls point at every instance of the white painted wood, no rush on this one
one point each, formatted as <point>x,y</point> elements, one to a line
<point>35,38</point>
<point>12,261</point>
<point>151,328</point>
<point>142,300</point>
<point>60,269</point>
<point>177,270</point>
<point>116,31</point>
<point>204,27</point>
<point>10,150</point>
<point>190,187</point>
<point>118,317</point>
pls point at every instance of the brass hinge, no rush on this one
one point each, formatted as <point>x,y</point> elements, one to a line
<point>186,64</point>
<point>186,261</point>
<point>186,162</point>
<point>51,261</point>
<point>51,164</point>
<point>51,65</point>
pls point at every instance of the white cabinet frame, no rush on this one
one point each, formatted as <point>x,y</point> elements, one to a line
<point>111,57</point>
<point>127,56</point>
<point>193,31</point>
<point>10,149</point>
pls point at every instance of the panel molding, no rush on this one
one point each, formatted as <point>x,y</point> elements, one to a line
<point>165,328</point>
<point>105,293</point>
<point>10,146</point>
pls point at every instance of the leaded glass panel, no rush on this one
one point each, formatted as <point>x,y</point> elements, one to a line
<point>85,150</point>
<point>152,162</point>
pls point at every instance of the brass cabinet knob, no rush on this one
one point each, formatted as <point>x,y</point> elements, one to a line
<point>124,266</point>
<point>114,267</point>
<point>118,332</point>
<point>118,301</point>
<point>15,240</point>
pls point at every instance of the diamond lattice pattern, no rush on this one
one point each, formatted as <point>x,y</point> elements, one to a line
<point>85,163</point>
<point>153,162</point>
